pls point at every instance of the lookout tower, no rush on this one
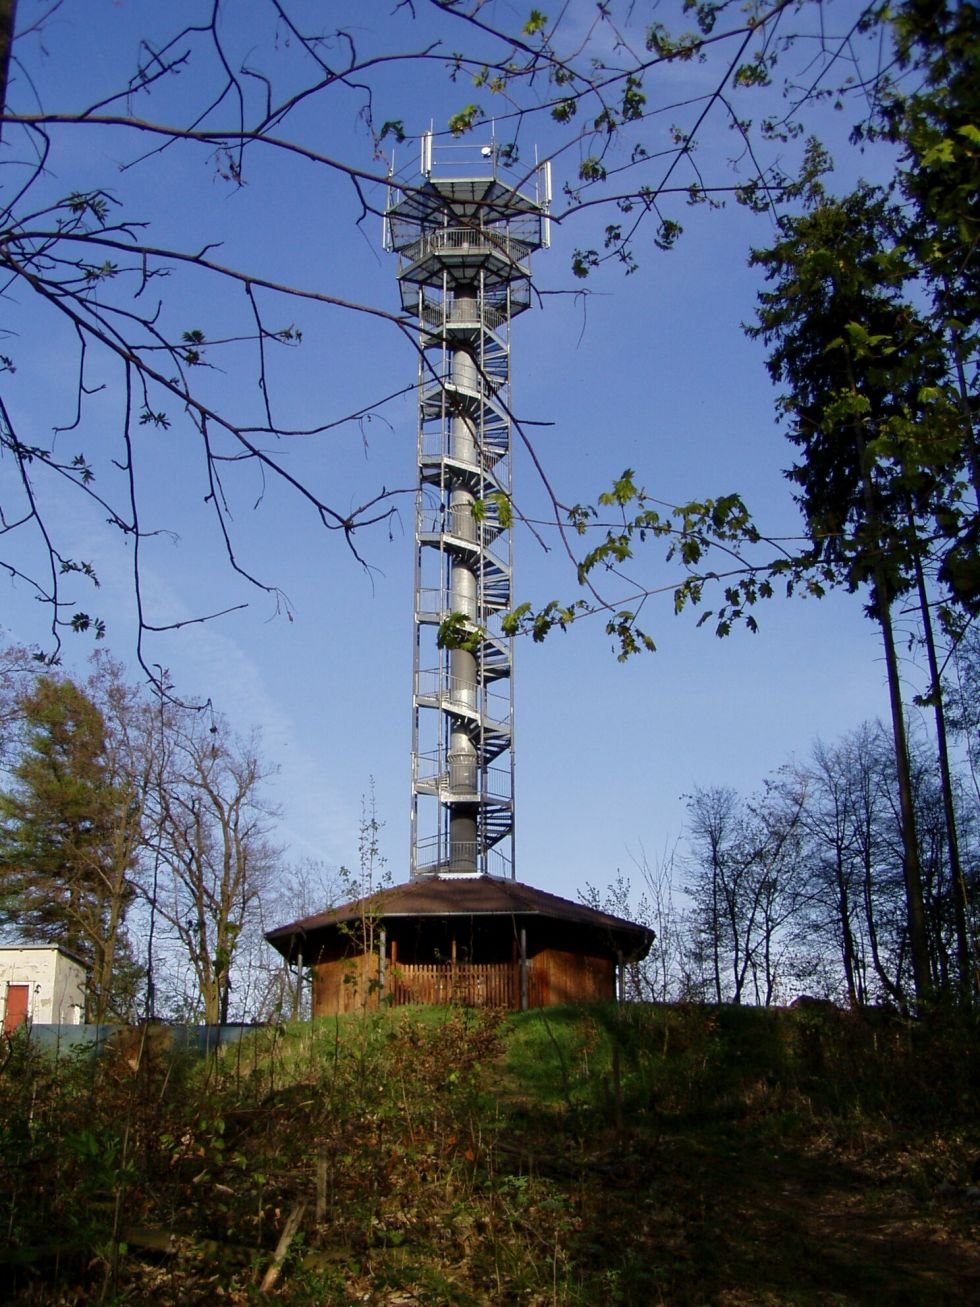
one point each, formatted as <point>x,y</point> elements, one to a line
<point>464,238</point>
<point>463,929</point>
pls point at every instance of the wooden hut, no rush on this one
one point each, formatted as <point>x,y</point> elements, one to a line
<point>475,940</point>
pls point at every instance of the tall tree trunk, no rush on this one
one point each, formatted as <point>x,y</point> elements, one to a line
<point>716,931</point>
<point>881,606</point>
<point>8,17</point>
<point>847,934</point>
<point>912,870</point>
<point>967,977</point>
<point>963,395</point>
<point>892,985</point>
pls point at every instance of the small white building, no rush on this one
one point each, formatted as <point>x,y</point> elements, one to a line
<point>41,983</point>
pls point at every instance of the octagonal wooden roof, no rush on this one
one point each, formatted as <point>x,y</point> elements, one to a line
<point>465,896</point>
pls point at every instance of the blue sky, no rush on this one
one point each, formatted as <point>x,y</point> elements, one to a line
<point>649,371</point>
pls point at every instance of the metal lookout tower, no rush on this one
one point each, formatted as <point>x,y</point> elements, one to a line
<point>464,236</point>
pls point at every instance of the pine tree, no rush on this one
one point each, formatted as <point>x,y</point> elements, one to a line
<point>69,831</point>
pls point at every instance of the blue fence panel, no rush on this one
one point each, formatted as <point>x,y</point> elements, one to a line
<point>203,1040</point>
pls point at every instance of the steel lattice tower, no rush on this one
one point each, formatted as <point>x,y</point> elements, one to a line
<point>464,237</point>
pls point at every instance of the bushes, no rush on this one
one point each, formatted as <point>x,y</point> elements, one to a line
<point>574,1155</point>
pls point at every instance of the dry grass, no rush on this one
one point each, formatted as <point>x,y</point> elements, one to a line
<point>578,1156</point>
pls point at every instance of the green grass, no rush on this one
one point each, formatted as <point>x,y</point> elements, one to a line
<point>594,1155</point>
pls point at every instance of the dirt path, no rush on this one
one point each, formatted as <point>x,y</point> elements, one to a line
<point>718,1218</point>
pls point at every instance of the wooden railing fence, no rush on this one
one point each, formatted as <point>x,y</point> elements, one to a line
<point>494,984</point>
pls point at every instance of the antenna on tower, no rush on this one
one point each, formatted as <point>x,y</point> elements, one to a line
<point>544,189</point>
<point>385,234</point>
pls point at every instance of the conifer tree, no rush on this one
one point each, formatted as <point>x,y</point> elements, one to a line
<point>880,446</point>
<point>69,833</point>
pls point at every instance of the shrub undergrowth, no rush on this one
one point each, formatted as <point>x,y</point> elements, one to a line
<point>568,1155</point>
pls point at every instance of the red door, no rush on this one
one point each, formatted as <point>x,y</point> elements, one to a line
<point>15,1013</point>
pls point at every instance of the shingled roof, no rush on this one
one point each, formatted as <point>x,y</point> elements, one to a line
<point>465,896</point>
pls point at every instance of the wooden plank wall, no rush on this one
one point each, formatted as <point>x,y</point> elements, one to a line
<point>562,977</point>
<point>345,985</point>
<point>554,976</point>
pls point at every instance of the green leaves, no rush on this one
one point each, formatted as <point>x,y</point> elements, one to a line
<point>497,510</point>
<point>694,533</point>
<point>862,344</point>
<point>95,203</point>
<point>755,72</point>
<point>633,99</point>
<point>394,127</point>
<point>103,272</point>
<point>467,118</point>
<point>628,636</point>
<point>869,401</point>
<point>149,418</point>
<point>683,48</point>
<point>942,152</point>
<point>583,262</point>
<point>82,622</point>
<point>81,466</point>
<point>523,620</point>
<point>79,568</point>
<point>457,631</point>
<point>193,355</point>
<point>592,170</point>
<point>624,490</point>
<point>668,233</point>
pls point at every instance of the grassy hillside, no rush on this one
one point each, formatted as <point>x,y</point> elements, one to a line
<point>571,1156</point>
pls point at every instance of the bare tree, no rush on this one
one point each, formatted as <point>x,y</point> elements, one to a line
<point>846,798</point>
<point>212,832</point>
<point>19,667</point>
<point>745,889</point>
<point>824,791</point>
<point>664,973</point>
<point>273,988</point>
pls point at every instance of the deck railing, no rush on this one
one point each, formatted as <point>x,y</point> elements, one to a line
<point>474,984</point>
<point>466,240</point>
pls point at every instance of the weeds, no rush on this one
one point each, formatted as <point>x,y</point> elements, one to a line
<point>575,1156</point>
